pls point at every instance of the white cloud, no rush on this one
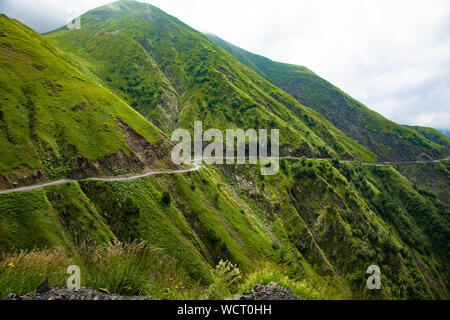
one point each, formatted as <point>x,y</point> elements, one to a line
<point>391,55</point>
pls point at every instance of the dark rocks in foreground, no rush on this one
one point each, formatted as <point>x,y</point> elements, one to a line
<point>270,292</point>
<point>66,294</point>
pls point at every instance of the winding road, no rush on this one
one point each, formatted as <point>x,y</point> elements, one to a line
<point>196,167</point>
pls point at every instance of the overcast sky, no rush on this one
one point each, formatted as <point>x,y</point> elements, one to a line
<point>391,55</point>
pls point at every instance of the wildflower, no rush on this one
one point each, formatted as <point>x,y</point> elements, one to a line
<point>11,265</point>
<point>130,288</point>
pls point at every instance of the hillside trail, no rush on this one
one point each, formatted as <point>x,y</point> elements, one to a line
<point>197,165</point>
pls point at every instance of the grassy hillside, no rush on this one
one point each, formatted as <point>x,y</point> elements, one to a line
<point>344,216</point>
<point>433,177</point>
<point>388,140</point>
<point>315,226</point>
<point>174,75</point>
<point>55,122</point>
<point>319,221</point>
<point>195,218</point>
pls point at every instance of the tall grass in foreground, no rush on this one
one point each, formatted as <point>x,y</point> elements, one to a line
<point>136,269</point>
<point>139,269</point>
<point>23,271</point>
<point>126,269</point>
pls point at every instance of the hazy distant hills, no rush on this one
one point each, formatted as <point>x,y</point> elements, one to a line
<point>445,132</point>
<point>388,140</point>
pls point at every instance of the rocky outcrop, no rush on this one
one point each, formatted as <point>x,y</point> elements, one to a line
<point>270,292</point>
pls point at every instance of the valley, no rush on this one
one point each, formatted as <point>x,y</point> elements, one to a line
<point>87,178</point>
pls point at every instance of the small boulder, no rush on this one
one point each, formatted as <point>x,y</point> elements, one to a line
<point>44,287</point>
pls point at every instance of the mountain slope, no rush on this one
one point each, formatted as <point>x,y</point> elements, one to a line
<point>345,216</point>
<point>326,235</point>
<point>56,122</point>
<point>388,140</point>
<point>201,225</point>
<point>431,177</point>
<point>320,221</point>
<point>174,75</point>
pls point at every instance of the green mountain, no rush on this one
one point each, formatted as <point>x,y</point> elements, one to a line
<point>173,74</point>
<point>433,177</point>
<point>315,226</point>
<point>388,140</point>
<point>357,215</point>
<point>56,122</point>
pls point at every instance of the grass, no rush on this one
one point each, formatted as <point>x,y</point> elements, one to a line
<point>137,269</point>
<point>268,273</point>
<point>45,218</point>
<point>27,221</point>
<point>172,74</point>
<point>331,214</point>
<point>318,225</point>
<point>51,113</point>
<point>129,269</point>
<point>429,177</point>
<point>134,269</point>
<point>22,272</point>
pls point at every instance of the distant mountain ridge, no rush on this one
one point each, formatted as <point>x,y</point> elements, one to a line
<point>388,140</point>
<point>445,132</point>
